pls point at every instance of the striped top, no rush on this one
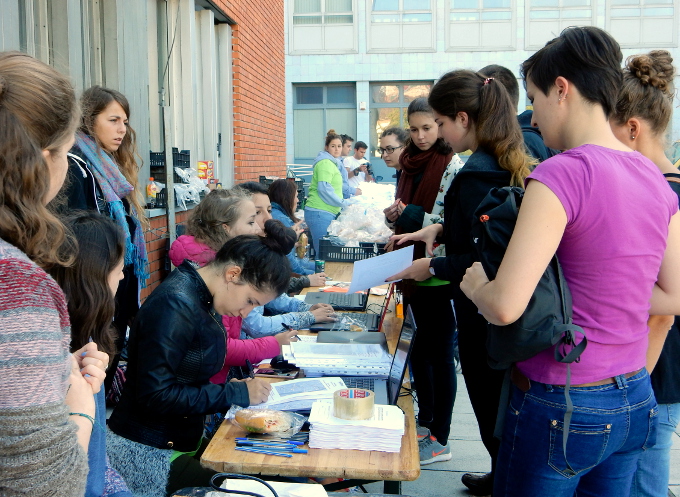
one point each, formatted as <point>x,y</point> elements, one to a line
<point>39,450</point>
<point>35,333</point>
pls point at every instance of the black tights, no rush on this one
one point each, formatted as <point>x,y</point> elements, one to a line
<point>432,363</point>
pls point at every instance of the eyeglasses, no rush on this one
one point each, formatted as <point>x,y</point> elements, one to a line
<point>388,150</point>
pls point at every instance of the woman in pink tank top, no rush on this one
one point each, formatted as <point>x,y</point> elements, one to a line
<point>612,220</point>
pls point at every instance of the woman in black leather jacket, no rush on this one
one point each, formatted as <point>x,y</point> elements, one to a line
<point>177,343</point>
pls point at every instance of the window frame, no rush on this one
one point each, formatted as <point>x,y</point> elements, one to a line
<point>401,23</point>
<point>641,5</point>
<point>574,21</point>
<point>401,105</point>
<point>476,47</point>
<point>324,106</point>
<point>323,26</point>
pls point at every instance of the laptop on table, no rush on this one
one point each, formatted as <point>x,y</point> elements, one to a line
<point>339,301</point>
<point>387,390</point>
<point>369,322</point>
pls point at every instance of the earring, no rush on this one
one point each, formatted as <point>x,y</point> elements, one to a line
<point>632,137</point>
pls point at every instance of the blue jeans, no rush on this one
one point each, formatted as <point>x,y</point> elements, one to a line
<point>653,468</point>
<point>611,425</point>
<point>318,222</point>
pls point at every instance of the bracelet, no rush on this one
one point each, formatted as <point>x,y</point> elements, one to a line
<point>84,416</point>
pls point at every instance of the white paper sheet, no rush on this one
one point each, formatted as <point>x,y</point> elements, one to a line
<point>374,271</point>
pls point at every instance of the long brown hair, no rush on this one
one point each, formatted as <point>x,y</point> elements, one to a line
<point>94,100</point>
<point>647,90</point>
<point>489,108</point>
<point>38,111</point>
<point>206,219</point>
<point>91,304</point>
<point>282,191</point>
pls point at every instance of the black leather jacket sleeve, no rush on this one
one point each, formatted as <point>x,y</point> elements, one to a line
<point>166,355</point>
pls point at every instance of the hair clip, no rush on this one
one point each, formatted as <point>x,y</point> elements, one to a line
<point>486,81</point>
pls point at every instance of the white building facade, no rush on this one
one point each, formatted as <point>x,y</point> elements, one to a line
<point>354,65</point>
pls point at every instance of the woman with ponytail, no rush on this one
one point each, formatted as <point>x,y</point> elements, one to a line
<point>103,177</point>
<point>641,116</point>
<point>473,112</point>
<point>47,407</point>
<point>608,214</point>
<point>428,165</point>
<point>325,199</point>
<point>177,344</point>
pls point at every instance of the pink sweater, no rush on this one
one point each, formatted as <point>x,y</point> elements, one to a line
<point>255,350</point>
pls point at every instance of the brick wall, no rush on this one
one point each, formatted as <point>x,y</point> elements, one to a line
<point>156,246</point>
<point>259,87</point>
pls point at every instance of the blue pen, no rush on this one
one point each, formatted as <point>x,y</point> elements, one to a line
<point>266,452</point>
<point>257,442</point>
<point>278,440</point>
<point>275,448</point>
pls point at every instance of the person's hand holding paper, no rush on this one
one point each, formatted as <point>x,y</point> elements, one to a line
<point>374,271</point>
<point>419,271</point>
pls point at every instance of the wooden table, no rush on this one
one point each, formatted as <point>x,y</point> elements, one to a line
<point>352,465</point>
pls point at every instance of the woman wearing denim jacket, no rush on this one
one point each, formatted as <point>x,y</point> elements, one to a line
<point>283,195</point>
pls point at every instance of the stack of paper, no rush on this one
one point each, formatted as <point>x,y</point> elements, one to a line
<point>382,432</point>
<point>300,394</point>
<point>344,359</point>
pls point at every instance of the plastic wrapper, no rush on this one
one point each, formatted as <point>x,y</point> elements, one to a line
<point>268,421</point>
<point>191,190</point>
<point>364,220</point>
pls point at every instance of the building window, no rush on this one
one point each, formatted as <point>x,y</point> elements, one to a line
<point>481,25</point>
<point>401,25</point>
<point>323,12</point>
<point>389,103</point>
<point>323,26</point>
<point>643,23</point>
<point>547,18</point>
<point>316,109</point>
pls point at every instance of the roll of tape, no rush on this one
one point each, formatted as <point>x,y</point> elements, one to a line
<point>353,403</point>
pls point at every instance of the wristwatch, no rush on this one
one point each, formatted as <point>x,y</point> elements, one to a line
<point>431,268</point>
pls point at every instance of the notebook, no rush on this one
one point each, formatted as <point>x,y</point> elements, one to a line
<point>339,301</point>
<point>387,391</point>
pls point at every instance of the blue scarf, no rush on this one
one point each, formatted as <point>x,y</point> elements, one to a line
<point>114,187</point>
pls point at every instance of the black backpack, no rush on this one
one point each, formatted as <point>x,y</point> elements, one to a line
<point>547,318</point>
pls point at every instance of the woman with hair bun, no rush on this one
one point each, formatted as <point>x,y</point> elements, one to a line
<point>47,407</point>
<point>325,199</point>
<point>641,117</point>
<point>103,177</point>
<point>177,344</point>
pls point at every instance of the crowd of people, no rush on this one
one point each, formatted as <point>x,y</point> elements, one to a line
<point>599,193</point>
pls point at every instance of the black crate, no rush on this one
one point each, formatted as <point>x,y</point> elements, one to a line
<point>299,183</point>
<point>157,164</point>
<point>334,253</point>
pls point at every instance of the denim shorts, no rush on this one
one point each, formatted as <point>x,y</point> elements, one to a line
<point>610,427</point>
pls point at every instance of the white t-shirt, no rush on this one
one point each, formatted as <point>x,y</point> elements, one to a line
<point>350,164</point>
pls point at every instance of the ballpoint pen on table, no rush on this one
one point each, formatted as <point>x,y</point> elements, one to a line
<point>271,440</point>
<point>251,370</point>
<point>266,452</point>
<point>290,328</point>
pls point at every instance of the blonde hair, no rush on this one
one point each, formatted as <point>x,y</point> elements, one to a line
<point>38,111</point>
<point>217,208</point>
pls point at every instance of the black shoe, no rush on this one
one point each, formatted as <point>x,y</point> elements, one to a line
<point>478,484</point>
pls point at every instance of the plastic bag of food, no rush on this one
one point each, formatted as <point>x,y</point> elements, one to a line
<point>269,421</point>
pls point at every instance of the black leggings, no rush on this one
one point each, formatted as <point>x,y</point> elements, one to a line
<point>432,363</point>
<point>483,383</point>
